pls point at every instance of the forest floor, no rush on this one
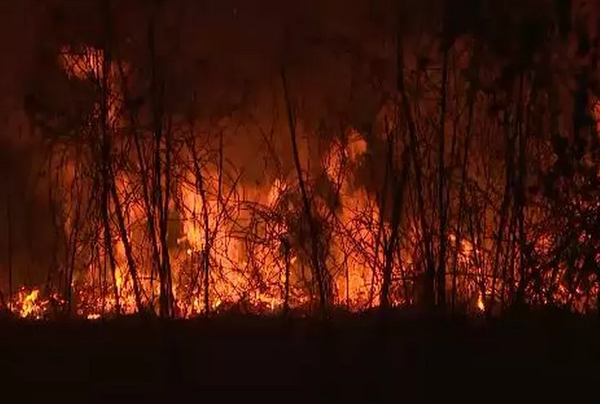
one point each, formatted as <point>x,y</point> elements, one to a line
<point>250,359</point>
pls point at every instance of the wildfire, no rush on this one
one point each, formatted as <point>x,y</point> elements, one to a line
<point>229,242</point>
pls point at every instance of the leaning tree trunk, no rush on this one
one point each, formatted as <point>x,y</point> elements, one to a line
<point>314,242</point>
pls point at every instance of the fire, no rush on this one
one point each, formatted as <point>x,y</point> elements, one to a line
<point>238,244</point>
<point>229,242</point>
<point>31,304</point>
<point>356,225</point>
<point>480,303</point>
<point>243,272</point>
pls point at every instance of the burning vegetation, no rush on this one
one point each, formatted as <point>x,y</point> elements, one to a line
<point>470,184</point>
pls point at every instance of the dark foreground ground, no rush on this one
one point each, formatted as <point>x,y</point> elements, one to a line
<point>353,359</point>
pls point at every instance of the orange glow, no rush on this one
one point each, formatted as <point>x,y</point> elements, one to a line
<point>480,303</point>
<point>244,243</point>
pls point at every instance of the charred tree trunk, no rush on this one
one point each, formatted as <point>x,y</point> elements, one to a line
<point>393,242</point>
<point>105,166</point>
<point>108,248</point>
<point>407,115</point>
<point>504,210</point>
<point>314,242</point>
<point>105,205</point>
<point>520,192</point>
<point>206,282</point>
<point>71,256</point>
<point>206,248</point>
<point>161,197</point>
<point>127,246</point>
<point>286,286</point>
<point>462,193</point>
<point>399,186</point>
<point>9,247</point>
<point>107,169</point>
<point>442,208</point>
<point>149,207</point>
